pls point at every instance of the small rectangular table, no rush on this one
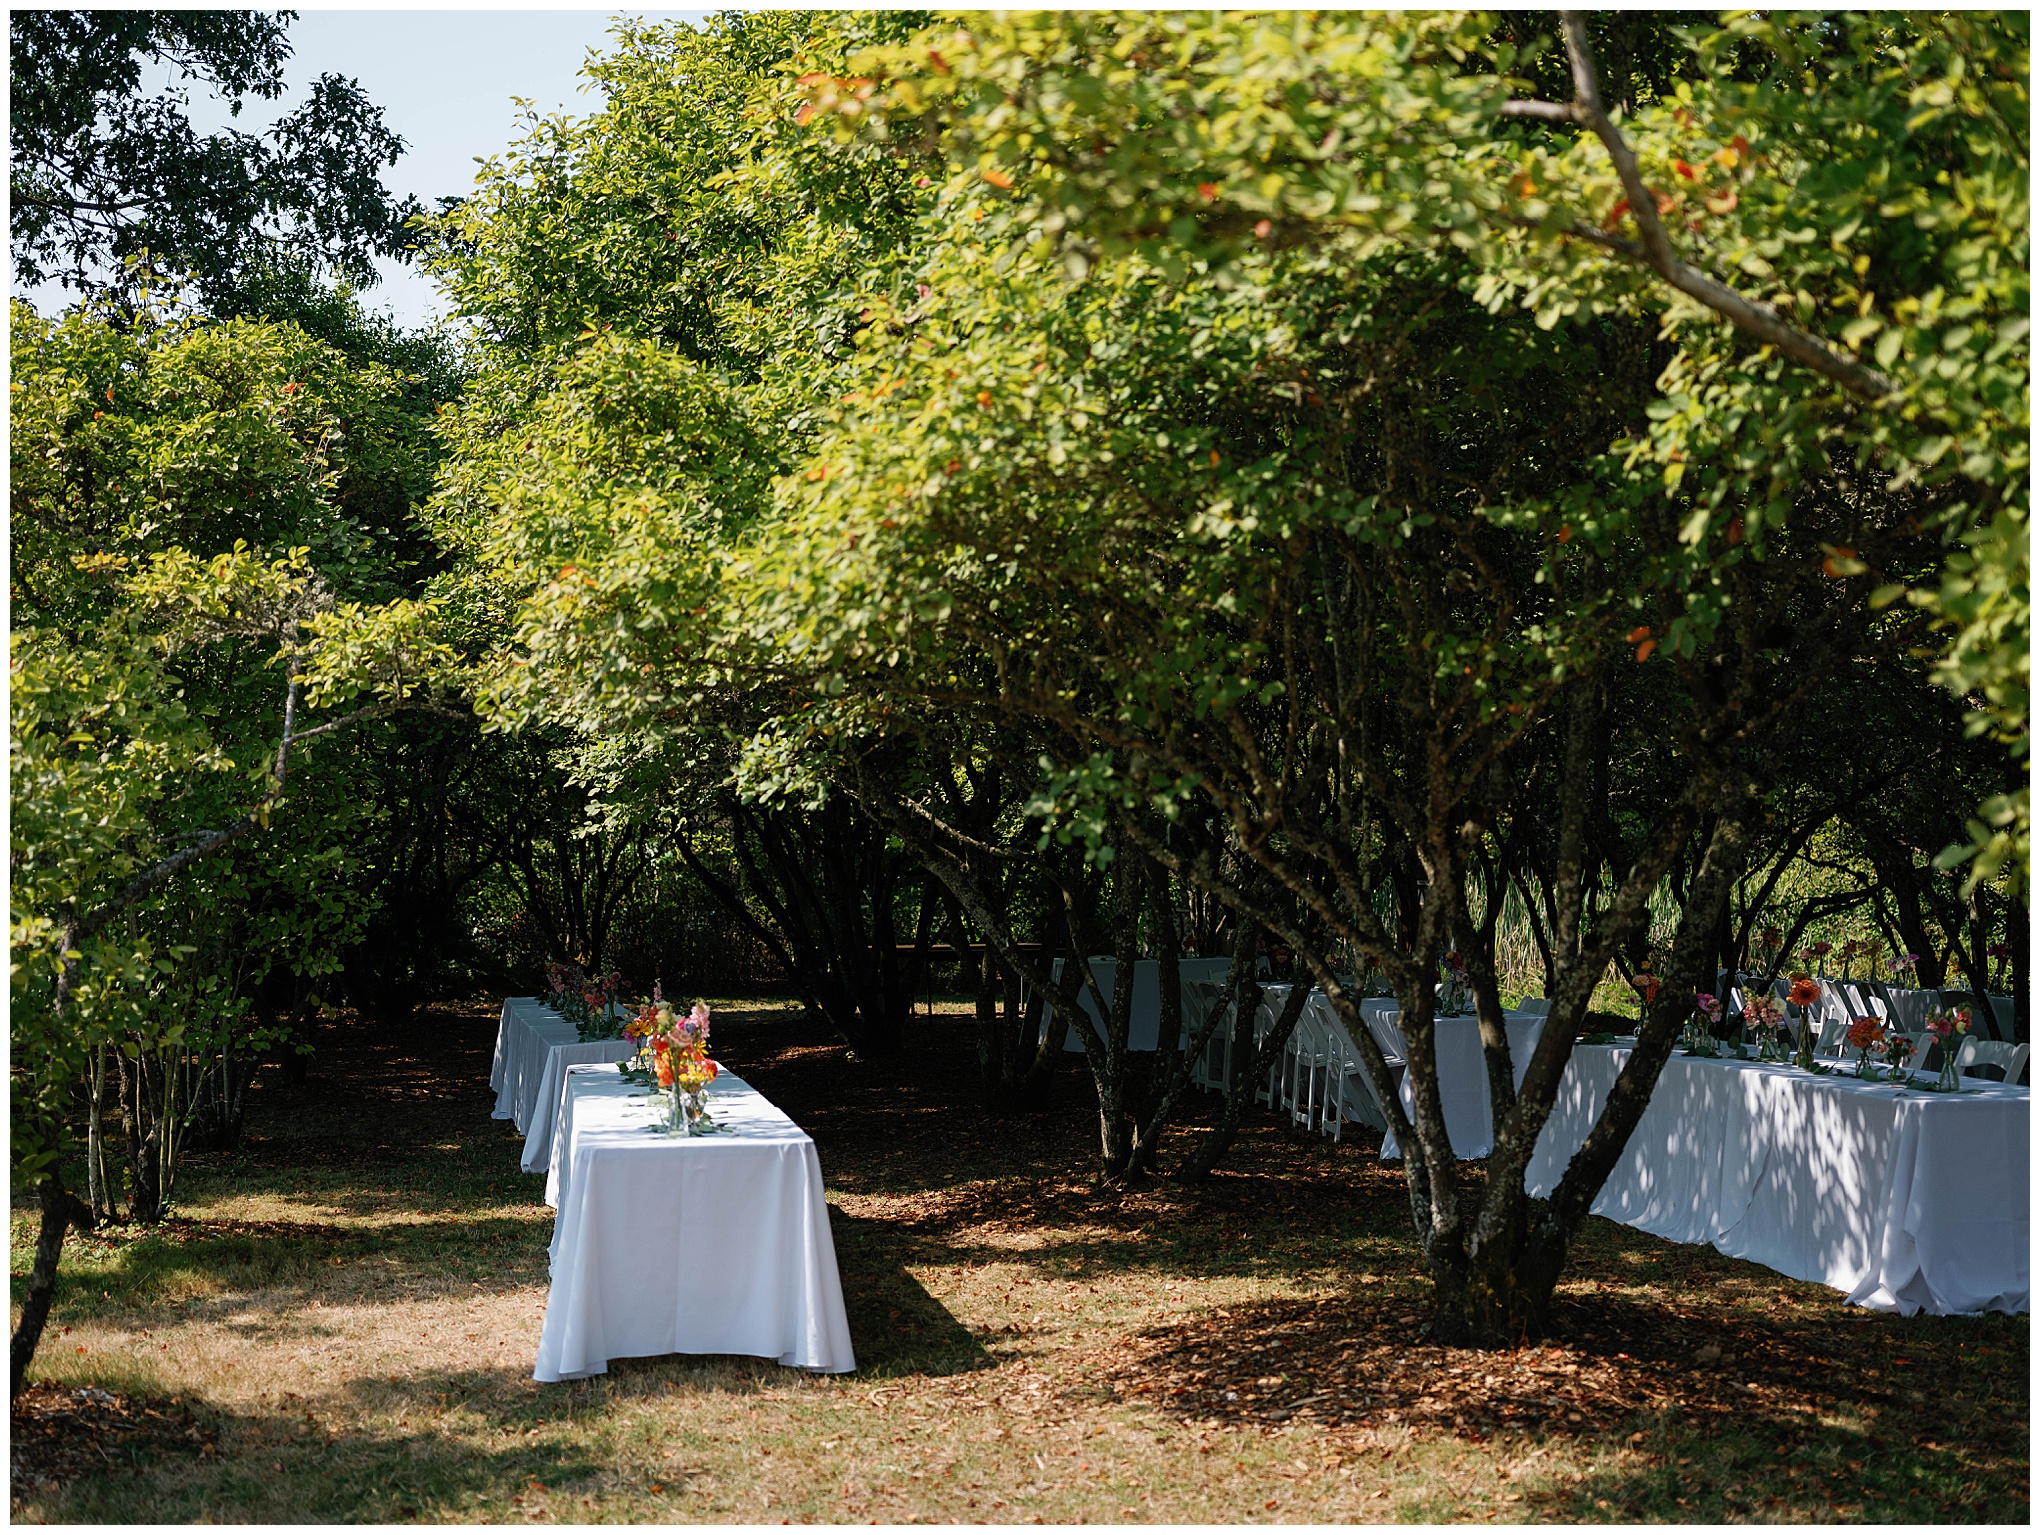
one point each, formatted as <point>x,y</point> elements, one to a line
<point>1144,1023</point>
<point>672,1244</point>
<point>534,1047</point>
<point>1904,1200</point>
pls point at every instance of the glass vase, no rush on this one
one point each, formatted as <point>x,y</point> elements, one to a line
<point>1950,1080</point>
<point>1863,1067</point>
<point>1802,1055</point>
<point>694,1108</point>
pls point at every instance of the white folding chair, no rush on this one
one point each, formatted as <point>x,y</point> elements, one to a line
<point>1209,1069</point>
<point>1353,1093</point>
<point>1991,1052</point>
<point>1301,1061</point>
<point>1837,1009</point>
<point>1535,1007</point>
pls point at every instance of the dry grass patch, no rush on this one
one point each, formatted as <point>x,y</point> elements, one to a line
<point>348,1310</point>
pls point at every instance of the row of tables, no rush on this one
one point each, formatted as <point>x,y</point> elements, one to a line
<point>1904,1199</point>
<point>667,1244</point>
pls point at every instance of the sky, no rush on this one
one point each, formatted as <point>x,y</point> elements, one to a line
<point>445,80</point>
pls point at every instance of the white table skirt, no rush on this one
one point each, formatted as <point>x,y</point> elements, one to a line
<point>715,1244</point>
<point>1906,1202</point>
<point>534,1046</point>
<point>1144,1024</point>
<point>552,1093</point>
<point>1462,1075</point>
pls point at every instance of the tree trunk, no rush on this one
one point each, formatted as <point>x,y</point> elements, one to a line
<point>1171,1085</point>
<point>1495,1291</point>
<point>61,1209</point>
<point>100,1196</point>
<point>1249,1065</point>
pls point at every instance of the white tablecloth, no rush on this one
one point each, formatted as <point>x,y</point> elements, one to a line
<point>714,1244</point>
<point>1905,1201</point>
<point>1462,1074</point>
<point>534,1046</point>
<point>1144,1026</point>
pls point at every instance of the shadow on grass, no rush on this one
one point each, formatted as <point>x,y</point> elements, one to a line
<point>281,1467</point>
<point>1725,1471</point>
<point>896,1327</point>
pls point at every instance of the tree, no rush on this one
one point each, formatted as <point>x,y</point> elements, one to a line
<point>103,175</point>
<point>1864,179</point>
<point>165,701</point>
<point>1293,626</point>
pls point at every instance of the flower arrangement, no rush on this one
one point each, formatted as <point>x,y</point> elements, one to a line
<point>1455,995</point>
<point>1945,1025</point>
<point>1764,1013</point>
<point>1865,1035</point>
<point>1804,994</point>
<point>1898,1049</point>
<point>1707,1010</point>
<point>1904,967</point>
<point>674,1050</point>
<point>584,1000</point>
<point>1812,955</point>
<point>1646,984</point>
<point>1849,952</point>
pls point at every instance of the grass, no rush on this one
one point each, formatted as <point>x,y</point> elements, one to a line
<point>341,1327</point>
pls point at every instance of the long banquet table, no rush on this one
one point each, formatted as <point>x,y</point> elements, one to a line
<point>1905,1200</point>
<point>713,1244</point>
<point>534,1048</point>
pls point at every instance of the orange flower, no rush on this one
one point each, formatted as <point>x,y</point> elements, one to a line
<point>1865,1034</point>
<point>1804,992</point>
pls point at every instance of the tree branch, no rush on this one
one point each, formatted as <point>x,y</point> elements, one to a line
<point>1748,315</point>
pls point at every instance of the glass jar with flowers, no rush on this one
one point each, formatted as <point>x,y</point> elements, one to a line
<point>1905,968</point>
<point>599,1018</point>
<point>1949,1027</point>
<point>680,1059</point>
<point>652,1019</point>
<point>565,985</point>
<point>1706,1014</point>
<point>1455,991</point>
<point>1865,1035</point>
<point>1804,994</point>
<point>1764,1013</point>
<point>1898,1049</point>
